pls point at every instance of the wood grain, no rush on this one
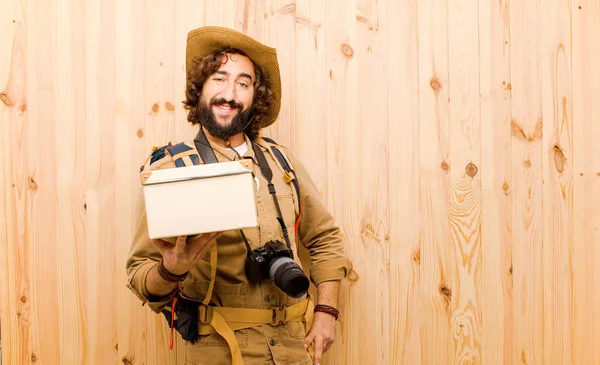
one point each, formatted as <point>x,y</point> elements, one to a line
<point>465,180</point>
<point>403,183</point>
<point>557,150</point>
<point>15,187</point>
<point>129,126</point>
<point>496,188</point>
<point>527,126</point>
<point>42,166</point>
<point>586,181</point>
<point>372,157</point>
<point>437,269</point>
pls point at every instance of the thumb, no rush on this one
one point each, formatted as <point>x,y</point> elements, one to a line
<point>181,241</point>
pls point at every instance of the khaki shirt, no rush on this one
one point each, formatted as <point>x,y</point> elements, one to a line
<point>317,232</point>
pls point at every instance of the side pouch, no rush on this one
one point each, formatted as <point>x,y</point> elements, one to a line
<point>186,318</point>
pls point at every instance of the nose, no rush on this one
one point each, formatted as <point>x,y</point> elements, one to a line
<point>229,91</point>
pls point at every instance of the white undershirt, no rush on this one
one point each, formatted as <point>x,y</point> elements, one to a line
<point>242,149</point>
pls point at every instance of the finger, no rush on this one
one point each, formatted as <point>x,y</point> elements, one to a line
<point>160,244</point>
<point>327,345</point>
<point>318,349</point>
<point>199,242</point>
<point>309,338</point>
<point>181,241</point>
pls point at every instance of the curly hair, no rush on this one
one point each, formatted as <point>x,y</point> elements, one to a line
<point>203,69</point>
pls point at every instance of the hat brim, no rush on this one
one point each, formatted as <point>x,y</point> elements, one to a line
<point>203,41</point>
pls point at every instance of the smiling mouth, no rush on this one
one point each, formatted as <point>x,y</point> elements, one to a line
<point>225,109</point>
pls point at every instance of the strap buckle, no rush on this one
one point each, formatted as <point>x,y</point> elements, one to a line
<point>205,315</point>
<point>278,316</point>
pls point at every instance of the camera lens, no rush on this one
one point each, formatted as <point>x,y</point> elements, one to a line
<point>289,277</point>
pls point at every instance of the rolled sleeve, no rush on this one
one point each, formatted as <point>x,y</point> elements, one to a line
<point>142,258</point>
<point>318,233</point>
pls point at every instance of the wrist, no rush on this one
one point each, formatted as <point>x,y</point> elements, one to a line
<point>167,275</point>
<point>323,308</point>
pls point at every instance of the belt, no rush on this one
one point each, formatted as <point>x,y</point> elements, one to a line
<point>225,320</point>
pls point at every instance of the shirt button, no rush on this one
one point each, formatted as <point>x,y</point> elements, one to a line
<point>267,298</point>
<point>272,342</point>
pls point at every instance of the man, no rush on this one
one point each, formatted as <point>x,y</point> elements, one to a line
<point>233,90</point>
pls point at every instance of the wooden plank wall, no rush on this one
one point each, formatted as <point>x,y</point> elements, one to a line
<point>455,141</point>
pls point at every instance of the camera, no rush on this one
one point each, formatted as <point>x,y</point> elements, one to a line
<point>275,260</point>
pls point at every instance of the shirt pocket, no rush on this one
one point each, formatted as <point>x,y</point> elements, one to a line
<point>288,210</point>
<point>213,349</point>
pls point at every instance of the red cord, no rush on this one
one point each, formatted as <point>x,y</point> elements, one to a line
<point>297,225</point>
<point>172,322</point>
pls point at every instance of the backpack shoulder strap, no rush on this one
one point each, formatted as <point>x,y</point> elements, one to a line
<point>183,154</point>
<point>283,162</point>
<point>156,159</point>
<point>289,175</point>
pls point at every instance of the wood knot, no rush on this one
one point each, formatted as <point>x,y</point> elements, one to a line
<point>347,51</point>
<point>417,257</point>
<point>330,75</point>
<point>471,169</point>
<point>140,133</point>
<point>435,84</point>
<point>32,184</point>
<point>447,294</point>
<point>117,347</point>
<point>527,164</point>
<point>445,166</point>
<point>505,187</point>
<point>23,299</point>
<point>169,106</point>
<point>33,357</point>
<point>155,108</point>
<point>559,159</point>
<point>126,361</point>
<point>510,271</point>
<point>6,99</point>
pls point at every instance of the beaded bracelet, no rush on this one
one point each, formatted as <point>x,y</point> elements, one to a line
<point>167,275</point>
<point>327,309</point>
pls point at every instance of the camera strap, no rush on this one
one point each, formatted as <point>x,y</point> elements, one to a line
<point>204,149</point>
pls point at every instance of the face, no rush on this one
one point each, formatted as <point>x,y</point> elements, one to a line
<point>227,95</point>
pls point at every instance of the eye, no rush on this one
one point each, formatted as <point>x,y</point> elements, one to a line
<point>219,79</point>
<point>243,84</point>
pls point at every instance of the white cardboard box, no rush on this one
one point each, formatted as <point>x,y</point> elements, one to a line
<point>190,200</point>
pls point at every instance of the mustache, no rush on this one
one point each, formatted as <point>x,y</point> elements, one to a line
<point>232,103</point>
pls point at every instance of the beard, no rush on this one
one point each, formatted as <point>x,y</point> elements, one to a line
<point>238,123</point>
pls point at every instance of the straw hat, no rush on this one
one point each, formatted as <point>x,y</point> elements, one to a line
<point>203,41</point>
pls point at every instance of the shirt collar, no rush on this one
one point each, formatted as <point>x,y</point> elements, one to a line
<point>231,154</point>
